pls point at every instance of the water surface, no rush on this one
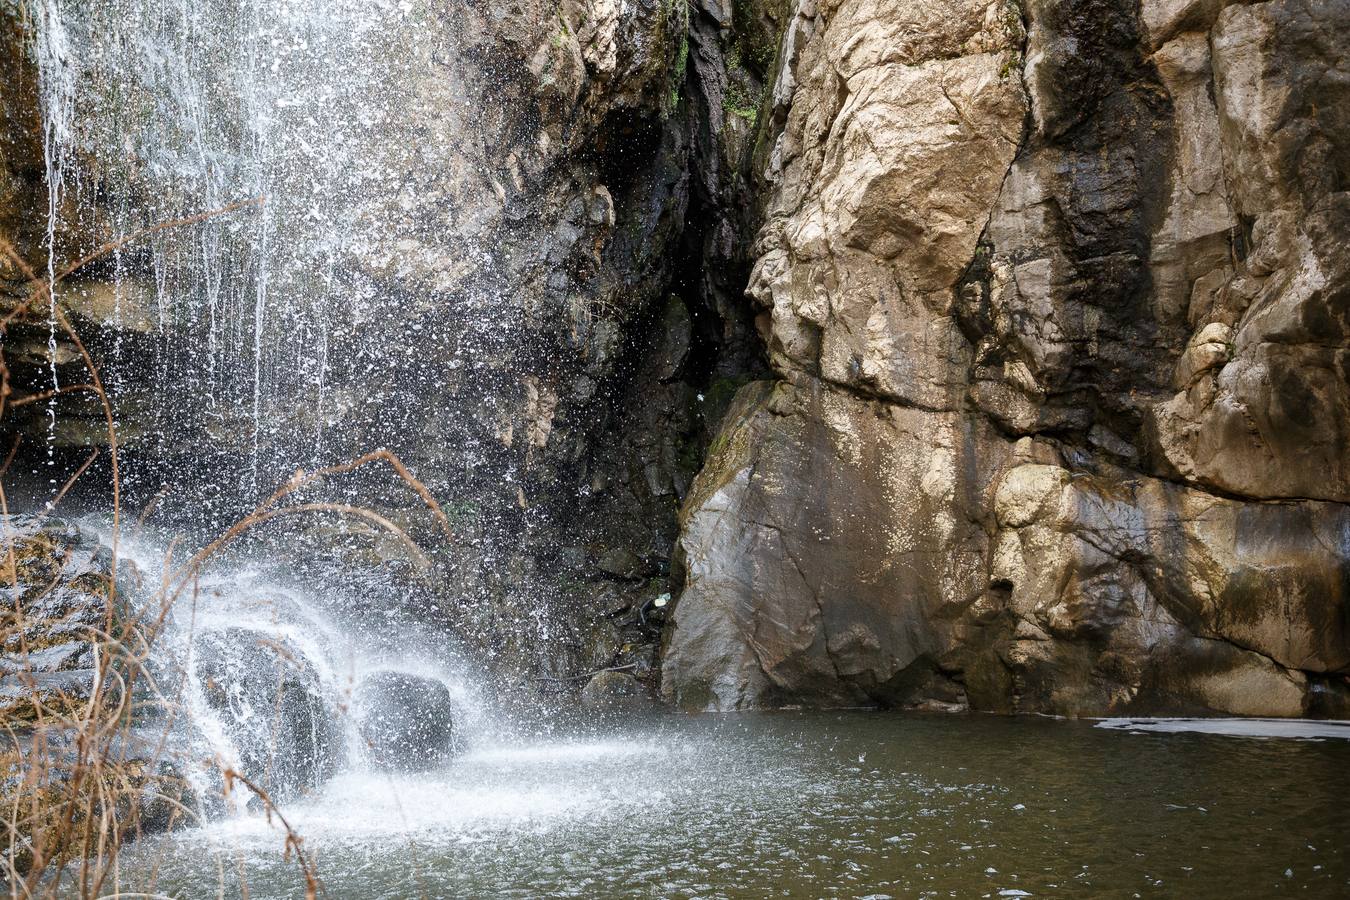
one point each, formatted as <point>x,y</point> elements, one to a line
<point>810,805</point>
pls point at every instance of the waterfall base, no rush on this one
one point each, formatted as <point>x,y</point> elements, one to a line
<point>847,803</point>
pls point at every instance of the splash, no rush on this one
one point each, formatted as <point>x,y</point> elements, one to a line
<point>260,676</point>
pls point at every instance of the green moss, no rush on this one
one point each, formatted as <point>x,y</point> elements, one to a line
<point>678,73</point>
<point>696,695</point>
<point>460,512</point>
<point>675,14</point>
<point>718,396</point>
<point>757,30</point>
<point>737,102</point>
<point>741,98</point>
<point>1012,62</point>
<point>719,443</point>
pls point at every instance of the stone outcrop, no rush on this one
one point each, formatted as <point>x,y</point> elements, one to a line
<point>73,747</point>
<point>1055,300</point>
<point>1168,599</point>
<point>55,618</point>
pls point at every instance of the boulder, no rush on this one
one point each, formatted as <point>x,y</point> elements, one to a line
<point>268,699</point>
<point>147,792</point>
<point>407,721</point>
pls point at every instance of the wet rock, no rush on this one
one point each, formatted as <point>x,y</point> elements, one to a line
<point>672,346</point>
<point>515,222</point>
<point>271,703</point>
<point>622,563</point>
<point>407,721</point>
<point>1149,596</point>
<point>142,791</point>
<point>601,646</point>
<point>638,658</point>
<point>30,696</point>
<point>615,691</point>
<point>839,533</point>
<point>47,641</point>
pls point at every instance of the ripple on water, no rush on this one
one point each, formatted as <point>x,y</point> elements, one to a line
<point>779,805</point>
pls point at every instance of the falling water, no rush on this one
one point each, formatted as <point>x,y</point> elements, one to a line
<point>291,110</point>
<point>265,677</point>
<point>58,88</point>
<point>274,134</point>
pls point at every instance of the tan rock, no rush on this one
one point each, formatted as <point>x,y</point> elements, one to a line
<point>1146,287</point>
<point>1273,422</point>
<point>864,242</point>
<point>826,554</point>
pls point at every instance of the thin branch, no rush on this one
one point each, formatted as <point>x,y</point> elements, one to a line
<point>195,219</point>
<point>300,479</point>
<point>47,395</point>
<point>51,504</point>
<point>588,675</point>
<point>293,840</point>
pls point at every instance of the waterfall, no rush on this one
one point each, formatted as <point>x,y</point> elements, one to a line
<point>259,674</point>
<point>293,110</point>
<point>282,304</point>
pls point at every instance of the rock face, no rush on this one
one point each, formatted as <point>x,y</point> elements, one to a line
<point>1025,323</point>
<point>1055,298</point>
<point>407,721</point>
<point>494,277</point>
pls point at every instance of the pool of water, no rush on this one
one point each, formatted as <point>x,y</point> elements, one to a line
<point>809,805</point>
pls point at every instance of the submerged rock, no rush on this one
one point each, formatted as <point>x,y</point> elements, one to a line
<point>407,721</point>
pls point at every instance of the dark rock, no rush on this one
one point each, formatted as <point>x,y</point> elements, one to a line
<point>56,658</point>
<point>623,563</point>
<point>601,646</point>
<point>62,578</point>
<point>273,707</point>
<point>615,691</point>
<point>407,721</point>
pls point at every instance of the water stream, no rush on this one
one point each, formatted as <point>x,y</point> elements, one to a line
<point>293,129</point>
<point>261,673</point>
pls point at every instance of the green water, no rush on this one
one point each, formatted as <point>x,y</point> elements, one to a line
<point>810,805</point>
